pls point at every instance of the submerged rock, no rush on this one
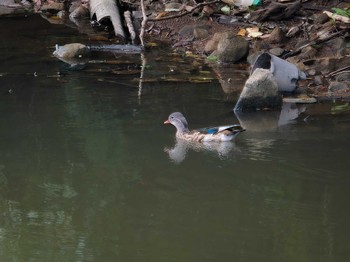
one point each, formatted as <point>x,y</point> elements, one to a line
<point>73,54</point>
<point>260,92</point>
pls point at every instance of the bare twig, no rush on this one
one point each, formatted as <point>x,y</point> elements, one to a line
<point>185,13</point>
<point>144,22</point>
<point>337,72</point>
<point>127,16</point>
<point>313,42</point>
<point>144,62</point>
<point>337,17</point>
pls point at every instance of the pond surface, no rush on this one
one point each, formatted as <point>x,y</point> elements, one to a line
<point>88,171</point>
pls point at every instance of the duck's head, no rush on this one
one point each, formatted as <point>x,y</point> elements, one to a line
<point>179,121</point>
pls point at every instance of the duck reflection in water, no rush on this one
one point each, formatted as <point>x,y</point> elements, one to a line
<point>179,151</point>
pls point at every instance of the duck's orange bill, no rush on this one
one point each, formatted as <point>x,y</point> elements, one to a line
<point>166,122</point>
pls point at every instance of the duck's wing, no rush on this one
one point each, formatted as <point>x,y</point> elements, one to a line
<point>218,129</point>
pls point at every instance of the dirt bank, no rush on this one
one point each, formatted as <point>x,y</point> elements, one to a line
<point>301,32</point>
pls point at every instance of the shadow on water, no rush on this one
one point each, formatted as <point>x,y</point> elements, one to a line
<point>84,175</point>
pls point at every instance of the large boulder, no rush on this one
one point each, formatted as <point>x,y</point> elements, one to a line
<point>260,92</point>
<point>231,48</point>
<point>212,44</point>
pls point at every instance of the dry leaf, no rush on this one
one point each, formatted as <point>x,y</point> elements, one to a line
<point>161,14</point>
<point>242,32</point>
<point>337,17</point>
<point>254,32</point>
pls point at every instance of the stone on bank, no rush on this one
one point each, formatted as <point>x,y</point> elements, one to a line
<point>231,48</point>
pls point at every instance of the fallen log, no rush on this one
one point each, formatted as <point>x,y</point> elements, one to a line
<point>129,24</point>
<point>276,12</point>
<point>125,49</point>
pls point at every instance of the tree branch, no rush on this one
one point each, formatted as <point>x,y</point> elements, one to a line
<point>185,13</point>
<point>313,42</point>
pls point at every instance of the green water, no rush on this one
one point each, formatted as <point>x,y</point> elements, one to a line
<point>88,171</point>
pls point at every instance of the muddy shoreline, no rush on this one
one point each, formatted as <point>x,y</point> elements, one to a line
<point>316,43</point>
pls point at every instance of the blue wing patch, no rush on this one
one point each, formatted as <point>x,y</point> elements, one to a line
<point>214,130</point>
<point>208,130</point>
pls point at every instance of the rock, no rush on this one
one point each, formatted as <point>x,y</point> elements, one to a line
<point>173,7</point>
<point>200,33</point>
<point>276,51</point>
<point>227,19</point>
<point>52,6</point>
<point>336,86</point>
<point>62,14</point>
<point>312,72</point>
<point>337,47</point>
<point>307,53</point>
<point>343,77</point>
<point>207,11</point>
<point>293,31</point>
<point>80,12</point>
<point>260,92</point>
<point>73,6</point>
<point>136,14</point>
<point>7,3</point>
<point>229,2</point>
<point>253,56</point>
<point>212,44</point>
<point>285,73</point>
<point>73,54</point>
<point>277,36</point>
<point>232,48</point>
<point>320,18</point>
<point>318,80</point>
<point>188,30</point>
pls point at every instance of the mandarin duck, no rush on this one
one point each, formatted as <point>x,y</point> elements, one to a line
<point>207,134</point>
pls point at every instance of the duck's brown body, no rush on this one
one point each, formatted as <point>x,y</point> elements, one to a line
<point>215,134</point>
